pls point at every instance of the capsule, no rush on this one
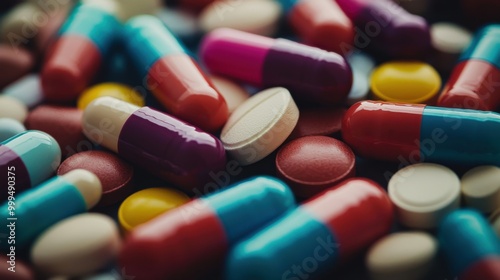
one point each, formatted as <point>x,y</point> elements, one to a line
<point>35,210</point>
<point>84,40</point>
<point>473,84</point>
<point>26,160</point>
<point>385,27</point>
<point>470,246</point>
<point>159,143</point>
<point>328,229</point>
<point>172,75</point>
<point>411,133</point>
<point>310,74</point>
<point>185,241</point>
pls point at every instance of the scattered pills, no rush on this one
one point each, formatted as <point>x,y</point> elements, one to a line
<point>12,108</point>
<point>115,90</point>
<point>9,128</point>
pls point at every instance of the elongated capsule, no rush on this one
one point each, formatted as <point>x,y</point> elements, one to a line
<point>310,74</point>
<point>411,133</point>
<point>35,210</point>
<point>159,143</point>
<point>26,160</point>
<point>185,241</point>
<point>172,75</point>
<point>329,228</point>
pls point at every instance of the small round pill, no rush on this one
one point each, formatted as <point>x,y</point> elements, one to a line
<point>311,164</point>
<point>423,194</point>
<point>448,40</point>
<point>233,93</point>
<point>9,128</point>
<point>13,109</point>
<point>318,121</point>
<point>481,188</point>
<point>115,90</point>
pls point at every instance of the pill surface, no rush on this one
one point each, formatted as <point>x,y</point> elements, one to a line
<point>12,108</point>
<point>28,158</point>
<point>48,203</point>
<point>115,90</point>
<point>233,93</point>
<point>27,89</point>
<point>327,229</point>
<point>362,66</point>
<point>481,188</point>
<point>310,74</point>
<point>448,40</point>
<point>161,144</point>
<point>9,128</point>
<point>470,246</point>
<point>412,133</point>
<point>318,121</point>
<point>172,75</point>
<point>14,64</point>
<point>259,125</point>
<point>199,233</point>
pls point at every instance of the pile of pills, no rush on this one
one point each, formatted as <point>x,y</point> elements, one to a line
<point>249,139</point>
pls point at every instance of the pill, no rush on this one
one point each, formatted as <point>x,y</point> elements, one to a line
<point>472,83</point>
<point>74,58</point>
<point>328,229</point>
<point>12,108</point>
<point>119,91</point>
<point>146,204</point>
<point>387,28</point>
<point>116,176</point>
<point>13,24</point>
<point>495,221</point>
<point>362,65</point>
<point>159,143</point>
<point>131,8</point>
<point>9,128</point>
<point>448,40</point>
<point>410,133</point>
<point>260,125</point>
<point>62,123</point>
<point>233,93</point>
<point>318,121</point>
<point>172,75</point>
<point>310,74</point>
<point>481,188</point>
<point>20,271</point>
<point>424,194</point>
<point>311,164</point>
<point>254,16</point>
<point>48,203</point>
<point>199,233</point>
<point>14,64</point>
<point>77,245</point>
<point>404,255</point>
<point>53,15</point>
<point>470,246</point>
<point>27,89</point>
<point>27,160</point>
<point>320,23</point>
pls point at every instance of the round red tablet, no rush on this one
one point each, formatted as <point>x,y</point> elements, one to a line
<point>312,164</point>
<point>318,121</point>
<point>116,175</point>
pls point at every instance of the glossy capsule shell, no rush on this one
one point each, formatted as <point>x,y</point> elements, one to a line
<point>172,75</point>
<point>84,40</point>
<point>199,233</point>
<point>310,74</point>
<point>329,228</point>
<point>410,133</point>
<point>474,82</point>
<point>470,246</point>
<point>159,143</point>
<point>28,158</point>
<point>50,202</point>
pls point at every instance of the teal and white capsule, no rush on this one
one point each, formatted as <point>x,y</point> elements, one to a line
<point>26,216</point>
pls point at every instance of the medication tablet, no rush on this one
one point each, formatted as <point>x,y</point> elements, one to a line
<point>449,41</point>
<point>115,174</point>
<point>495,221</point>
<point>481,188</point>
<point>405,255</point>
<point>9,128</point>
<point>254,16</point>
<point>423,194</point>
<point>14,63</point>
<point>76,246</point>
<point>115,90</point>
<point>312,164</point>
<point>260,125</point>
<point>318,121</point>
<point>28,90</point>
<point>233,93</point>
<point>12,108</point>
<point>408,82</point>
<point>144,205</point>
<point>18,22</point>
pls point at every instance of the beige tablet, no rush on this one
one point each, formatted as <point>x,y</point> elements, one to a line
<point>481,188</point>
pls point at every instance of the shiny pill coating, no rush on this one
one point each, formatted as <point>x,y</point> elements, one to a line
<point>159,143</point>
<point>199,233</point>
<point>310,74</point>
<point>9,128</point>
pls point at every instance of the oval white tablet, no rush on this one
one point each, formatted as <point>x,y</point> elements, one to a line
<point>423,194</point>
<point>233,93</point>
<point>13,109</point>
<point>260,125</point>
<point>405,255</point>
<point>77,246</point>
<point>481,188</point>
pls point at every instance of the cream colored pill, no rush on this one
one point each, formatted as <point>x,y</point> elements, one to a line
<point>254,16</point>
<point>77,246</point>
<point>233,93</point>
<point>405,255</point>
<point>131,8</point>
<point>481,188</point>
<point>13,109</point>
<point>260,125</point>
<point>19,21</point>
<point>423,194</point>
